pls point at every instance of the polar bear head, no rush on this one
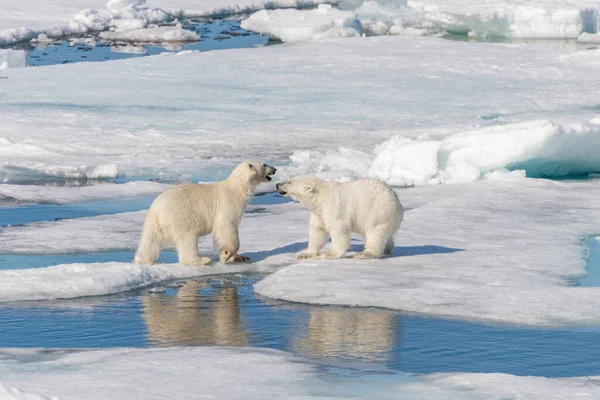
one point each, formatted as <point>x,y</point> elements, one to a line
<point>253,172</point>
<point>303,189</point>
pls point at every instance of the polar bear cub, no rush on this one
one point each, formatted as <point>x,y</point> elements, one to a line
<point>367,207</point>
<point>182,214</point>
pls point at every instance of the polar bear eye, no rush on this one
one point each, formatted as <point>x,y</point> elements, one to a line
<point>251,166</point>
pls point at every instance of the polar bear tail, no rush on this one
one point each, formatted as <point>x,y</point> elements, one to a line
<point>151,241</point>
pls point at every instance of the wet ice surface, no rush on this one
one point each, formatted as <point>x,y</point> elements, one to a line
<point>214,35</point>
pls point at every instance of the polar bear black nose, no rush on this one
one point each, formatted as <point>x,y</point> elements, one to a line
<point>277,186</point>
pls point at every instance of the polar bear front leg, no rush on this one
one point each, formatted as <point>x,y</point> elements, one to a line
<point>228,240</point>
<point>340,243</point>
<point>317,237</point>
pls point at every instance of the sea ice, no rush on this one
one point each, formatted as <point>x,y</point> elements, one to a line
<point>541,19</point>
<point>243,373</point>
<point>193,117</point>
<point>495,250</point>
<point>154,35</point>
<point>537,148</point>
<point>462,252</point>
<point>12,58</point>
<point>24,20</point>
<point>67,195</point>
<point>296,26</point>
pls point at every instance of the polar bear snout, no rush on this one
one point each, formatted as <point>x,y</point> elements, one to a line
<point>269,171</point>
<point>281,188</point>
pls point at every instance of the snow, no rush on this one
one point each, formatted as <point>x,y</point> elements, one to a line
<point>496,250</point>
<point>95,279</point>
<point>16,172</point>
<point>548,19</point>
<point>186,116</point>
<point>462,252</point>
<point>75,194</point>
<point>21,21</point>
<point>513,19</point>
<point>219,8</point>
<point>589,38</point>
<point>12,393</point>
<point>297,26</point>
<point>122,232</point>
<point>242,373</point>
<point>535,148</point>
<point>159,34</point>
<point>12,58</point>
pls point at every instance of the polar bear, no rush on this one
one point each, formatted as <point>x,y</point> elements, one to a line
<point>367,207</point>
<point>182,214</point>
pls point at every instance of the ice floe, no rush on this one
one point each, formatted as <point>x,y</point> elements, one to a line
<point>75,194</point>
<point>40,172</point>
<point>496,250</point>
<point>158,34</point>
<point>512,18</point>
<point>12,58</point>
<point>535,148</point>
<point>195,117</point>
<point>79,280</point>
<point>242,373</point>
<point>296,26</point>
<point>21,21</point>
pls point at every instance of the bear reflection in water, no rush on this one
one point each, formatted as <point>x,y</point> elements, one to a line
<point>359,334</point>
<point>193,317</point>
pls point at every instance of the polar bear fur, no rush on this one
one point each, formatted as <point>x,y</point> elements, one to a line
<point>182,214</point>
<point>367,207</point>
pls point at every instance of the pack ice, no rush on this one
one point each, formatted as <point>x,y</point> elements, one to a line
<point>512,19</point>
<point>24,20</point>
<point>448,115</point>
<point>241,373</point>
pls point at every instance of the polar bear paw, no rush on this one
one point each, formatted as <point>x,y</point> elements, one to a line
<point>331,256</point>
<point>367,254</point>
<point>226,257</point>
<point>303,255</point>
<point>194,262</point>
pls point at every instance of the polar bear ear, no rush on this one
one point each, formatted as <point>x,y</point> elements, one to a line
<point>309,189</point>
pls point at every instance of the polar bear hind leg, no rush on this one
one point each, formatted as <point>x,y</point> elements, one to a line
<point>150,243</point>
<point>376,243</point>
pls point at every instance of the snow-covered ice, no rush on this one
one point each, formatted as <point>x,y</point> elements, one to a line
<point>500,251</point>
<point>589,38</point>
<point>241,373</point>
<point>323,22</point>
<point>548,19</point>
<point>12,58</point>
<point>159,34</point>
<point>78,280</point>
<point>462,252</point>
<point>220,8</point>
<point>39,172</point>
<point>514,19</point>
<point>20,21</point>
<point>533,148</point>
<point>186,116</point>
<point>67,195</point>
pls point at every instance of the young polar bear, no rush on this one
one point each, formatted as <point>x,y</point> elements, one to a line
<point>182,214</point>
<point>367,207</point>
